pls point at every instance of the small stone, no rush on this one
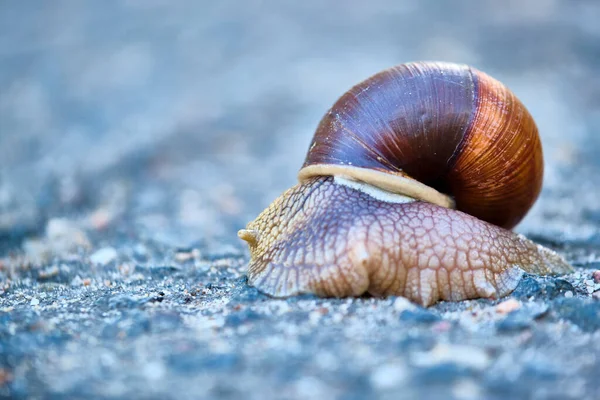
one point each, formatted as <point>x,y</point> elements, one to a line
<point>311,388</point>
<point>49,272</point>
<point>528,287</point>
<point>323,310</point>
<point>101,218</point>
<point>34,302</point>
<point>388,376</point>
<point>596,276</point>
<point>568,294</point>
<point>104,256</point>
<point>37,251</point>
<point>154,370</point>
<point>419,315</point>
<point>77,281</point>
<point>403,304</point>
<point>245,316</point>
<point>126,269</point>
<point>441,326</point>
<point>65,235</point>
<point>508,306</point>
<point>522,318</point>
<point>516,321</point>
<point>63,238</point>
<point>5,376</point>
<point>466,389</point>
<point>443,353</point>
<point>337,318</point>
<point>314,317</point>
<point>187,255</point>
<point>140,252</point>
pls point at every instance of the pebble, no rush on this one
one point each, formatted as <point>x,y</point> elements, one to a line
<point>49,272</point>
<point>311,388</point>
<point>441,326</point>
<point>314,317</point>
<point>419,315</point>
<point>337,318</point>
<point>101,218</point>
<point>77,281</point>
<point>126,269</point>
<point>37,251</point>
<point>140,252</point>
<point>527,287</point>
<point>104,256</point>
<point>388,376</point>
<point>154,370</point>
<point>186,255</point>
<point>508,306</point>
<point>64,229</point>
<point>443,353</point>
<point>522,318</point>
<point>403,304</point>
<point>515,322</point>
<point>568,294</point>
<point>5,376</point>
<point>596,276</point>
<point>466,389</point>
<point>590,286</point>
<point>34,302</point>
<point>541,287</point>
<point>62,238</point>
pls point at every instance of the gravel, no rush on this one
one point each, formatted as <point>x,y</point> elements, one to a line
<point>137,137</point>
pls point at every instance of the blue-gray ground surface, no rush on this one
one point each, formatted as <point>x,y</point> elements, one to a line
<point>136,137</point>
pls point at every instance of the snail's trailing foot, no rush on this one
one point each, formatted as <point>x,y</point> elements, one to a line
<point>334,237</point>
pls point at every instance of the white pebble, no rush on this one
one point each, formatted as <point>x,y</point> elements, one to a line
<point>104,256</point>
<point>314,317</point>
<point>311,388</point>
<point>388,376</point>
<point>337,318</point>
<point>568,294</point>
<point>34,302</point>
<point>466,389</point>
<point>403,304</point>
<point>508,306</point>
<point>154,370</point>
<point>468,356</point>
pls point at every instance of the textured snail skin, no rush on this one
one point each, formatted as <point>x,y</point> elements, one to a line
<point>332,239</point>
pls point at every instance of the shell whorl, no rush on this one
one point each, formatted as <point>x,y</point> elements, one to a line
<point>450,127</point>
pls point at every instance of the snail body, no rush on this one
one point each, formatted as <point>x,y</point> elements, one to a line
<point>409,187</point>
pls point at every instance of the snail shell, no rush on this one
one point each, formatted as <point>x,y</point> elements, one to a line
<point>450,127</point>
<point>374,209</point>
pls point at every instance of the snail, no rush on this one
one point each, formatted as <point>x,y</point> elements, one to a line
<point>410,187</point>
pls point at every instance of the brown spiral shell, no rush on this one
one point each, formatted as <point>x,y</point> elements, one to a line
<point>448,126</point>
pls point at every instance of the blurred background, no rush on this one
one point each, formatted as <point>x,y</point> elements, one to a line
<point>180,121</point>
<point>137,137</point>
